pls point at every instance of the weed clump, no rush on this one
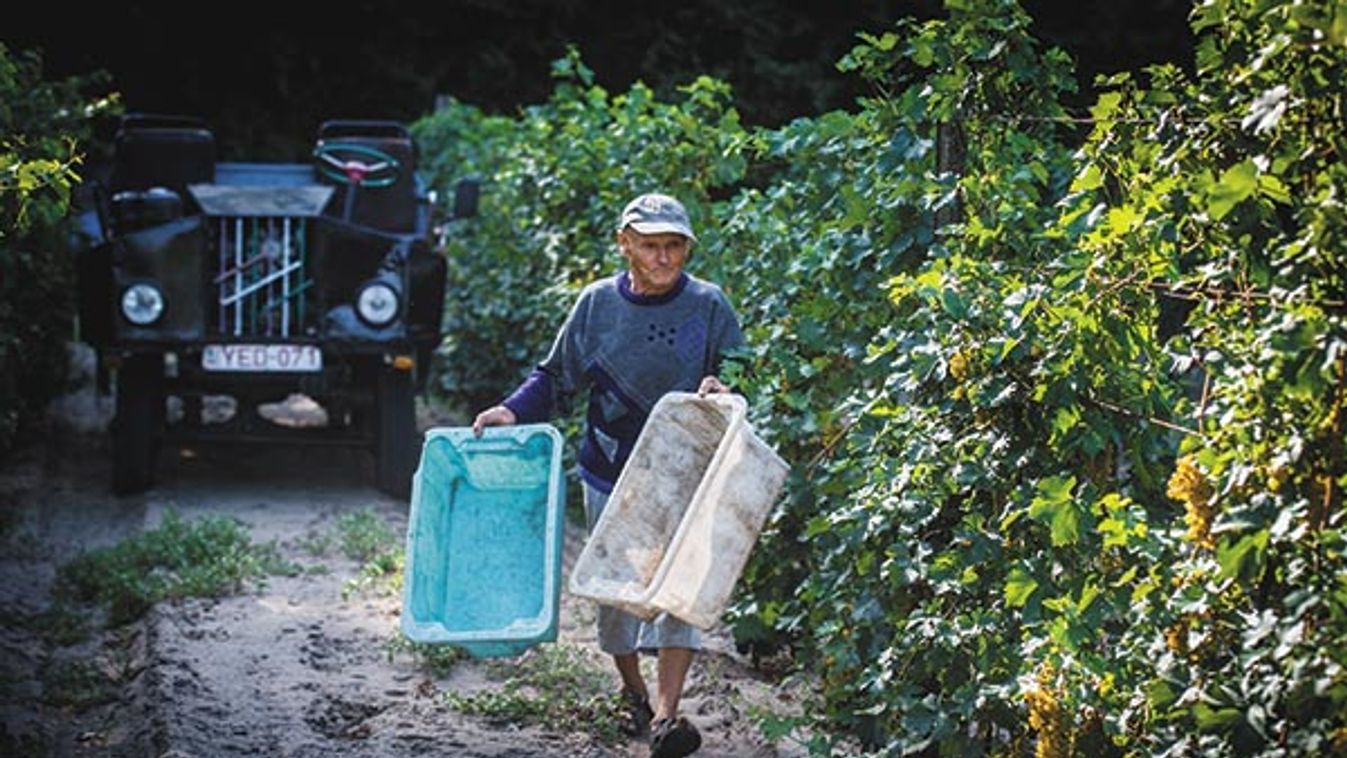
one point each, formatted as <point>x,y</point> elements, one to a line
<point>210,557</point>
<point>553,686</point>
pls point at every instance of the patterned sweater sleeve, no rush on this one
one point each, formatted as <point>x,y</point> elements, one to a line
<point>554,381</point>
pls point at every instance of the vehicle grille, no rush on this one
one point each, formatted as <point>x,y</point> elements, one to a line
<point>261,284</point>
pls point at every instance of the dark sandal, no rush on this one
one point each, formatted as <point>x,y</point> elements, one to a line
<point>638,711</point>
<point>674,738</point>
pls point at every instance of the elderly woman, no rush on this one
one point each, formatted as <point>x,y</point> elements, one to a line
<point>628,340</point>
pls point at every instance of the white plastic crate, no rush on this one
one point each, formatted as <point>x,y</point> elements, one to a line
<point>685,512</point>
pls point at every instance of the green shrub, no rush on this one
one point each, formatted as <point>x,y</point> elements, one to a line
<point>43,127</point>
<point>1062,393</point>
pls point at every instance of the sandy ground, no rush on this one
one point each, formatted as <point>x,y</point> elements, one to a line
<point>293,669</point>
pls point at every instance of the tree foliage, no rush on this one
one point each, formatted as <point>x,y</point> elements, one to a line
<point>1062,392</point>
<point>43,124</point>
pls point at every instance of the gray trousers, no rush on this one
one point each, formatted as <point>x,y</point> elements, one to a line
<point>621,633</point>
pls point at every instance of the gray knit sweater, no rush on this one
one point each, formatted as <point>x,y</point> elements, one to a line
<point>627,350</point>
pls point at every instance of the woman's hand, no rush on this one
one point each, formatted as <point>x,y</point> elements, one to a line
<point>496,415</point>
<point>711,385</point>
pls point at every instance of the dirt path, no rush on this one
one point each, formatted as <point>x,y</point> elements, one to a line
<point>298,668</point>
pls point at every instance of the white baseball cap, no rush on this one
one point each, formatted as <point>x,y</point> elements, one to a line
<point>656,213</point>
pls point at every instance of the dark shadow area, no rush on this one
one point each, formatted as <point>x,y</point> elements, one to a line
<point>266,75</point>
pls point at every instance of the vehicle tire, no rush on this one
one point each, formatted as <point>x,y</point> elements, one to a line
<point>138,426</point>
<point>395,446</point>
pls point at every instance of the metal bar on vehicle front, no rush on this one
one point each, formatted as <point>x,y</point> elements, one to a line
<point>223,243</point>
<point>253,261</point>
<point>254,245</point>
<point>265,247</point>
<point>238,274</point>
<point>303,247</point>
<point>285,284</point>
<point>260,283</point>
<point>294,293</point>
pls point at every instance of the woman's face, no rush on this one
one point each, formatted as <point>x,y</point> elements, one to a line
<point>655,260</point>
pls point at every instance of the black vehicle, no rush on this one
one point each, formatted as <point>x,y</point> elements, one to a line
<point>235,285</point>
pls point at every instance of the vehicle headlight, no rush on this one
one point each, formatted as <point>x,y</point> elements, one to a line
<point>377,304</point>
<point>142,304</point>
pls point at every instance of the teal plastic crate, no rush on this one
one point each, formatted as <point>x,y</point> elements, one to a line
<point>484,539</point>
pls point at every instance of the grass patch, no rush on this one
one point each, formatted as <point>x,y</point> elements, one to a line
<point>60,625</point>
<point>316,544</point>
<point>364,535</point>
<point>27,745</point>
<point>553,686</point>
<point>210,557</point>
<point>78,685</point>
<point>381,574</point>
<point>436,660</point>
<point>274,562</point>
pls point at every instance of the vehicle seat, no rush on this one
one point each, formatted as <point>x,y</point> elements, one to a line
<point>162,151</point>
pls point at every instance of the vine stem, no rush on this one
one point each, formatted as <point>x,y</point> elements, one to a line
<point>831,444</point>
<point>840,434</point>
<point>1335,457</point>
<point>1206,395</point>
<point>1148,419</point>
<point>1247,294</point>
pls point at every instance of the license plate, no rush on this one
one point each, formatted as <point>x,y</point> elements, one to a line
<point>262,358</point>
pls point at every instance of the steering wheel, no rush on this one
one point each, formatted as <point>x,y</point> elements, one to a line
<point>356,164</point>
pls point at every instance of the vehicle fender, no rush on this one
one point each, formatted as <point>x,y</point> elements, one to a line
<point>172,256</point>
